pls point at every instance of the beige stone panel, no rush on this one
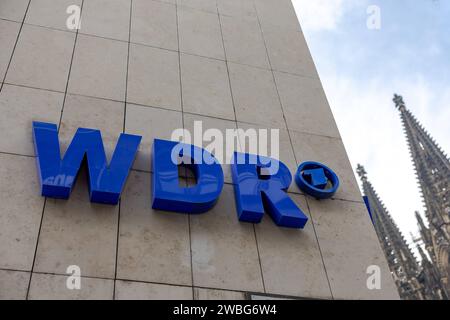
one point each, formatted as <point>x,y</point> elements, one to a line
<point>106,18</point>
<point>288,51</point>
<point>13,9</point>
<point>42,58</point>
<point>255,96</point>
<point>78,232</point>
<point>160,30</point>
<point>99,68</point>
<point>244,42</point>
<point>199,33</point>
<point>330,152</point>
<point>154,78</point>
<point>206,88</point>
<point>285,152</point>
<point>278,13</point>
<point>13,285</point>
<point>128,290</point>
<point>8,34</point>
<point>305,105</point>
<point>221,125</point>
<point>236,8</point>
<point>224,252</point>
<point>54,287</point>
<point>290,258</point>
<point>203,5</point>
<point>20,212</point>
<point>349,246</point>
<point>21,106</point>
<point>50,13</point>
<point>83,112</point>
<point>147,122</point>
<point>213,294</point>
<point>153,245</point>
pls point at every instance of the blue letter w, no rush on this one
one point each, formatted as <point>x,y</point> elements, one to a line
<point>57,176</point>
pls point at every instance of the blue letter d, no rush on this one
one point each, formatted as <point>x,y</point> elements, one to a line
<point>168,194</point>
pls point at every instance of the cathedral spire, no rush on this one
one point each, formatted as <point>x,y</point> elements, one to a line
<point>401,260</point>
<point>425,236</point>
<point>430,277</point>
<point>423,256</point>
<point>431,165</point>
<point>432,168</point>
<point>398,100</point>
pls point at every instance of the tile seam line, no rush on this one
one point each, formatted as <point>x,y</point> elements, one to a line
<point>239,142</point>
<point>227,67</point>
<point>320,249</point>
<point>16,154</point>
<point>186,285</point>
<point>14,270</point>
<point>15,45</point>
<point>36,248</point>
<point>123,131</point>
<point>289,192</point>
<point>131,102</point>
<point>67,275</point>
<point>183,125</point>
<point>151,172</point>
<point>1,89</point>
<point>59,125</point>
<point>149,282</point>
<point>9,20</point>
<point>7,153</point>
<point>289,135</point>
<point>187,7</point>
<point>287,128</point>
<point>230,184</point>
<point>173,110</point>
<point>240,17</point>
<point>69,72</point>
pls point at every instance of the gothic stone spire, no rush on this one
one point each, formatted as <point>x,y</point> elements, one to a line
<point>431,279</point>
<point>432,168</point>
<point>401,260</point>
<point>426,236</point>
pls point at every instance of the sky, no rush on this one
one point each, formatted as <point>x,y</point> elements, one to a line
<point>361,68</point>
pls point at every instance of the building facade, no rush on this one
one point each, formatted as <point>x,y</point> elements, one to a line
<point>148,68</point>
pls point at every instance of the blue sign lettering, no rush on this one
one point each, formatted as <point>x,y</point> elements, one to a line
<point>168,194</point>
<point>256,192</point>
<point>57,177</point>
<point>313,178</point>
<point>260,183</point>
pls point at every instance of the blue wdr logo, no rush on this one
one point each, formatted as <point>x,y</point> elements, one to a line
<point>255,193</point>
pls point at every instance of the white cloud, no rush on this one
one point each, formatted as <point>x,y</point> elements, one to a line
<point>320,14</point>
<point>434,50</point>
<point>373,134</point>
